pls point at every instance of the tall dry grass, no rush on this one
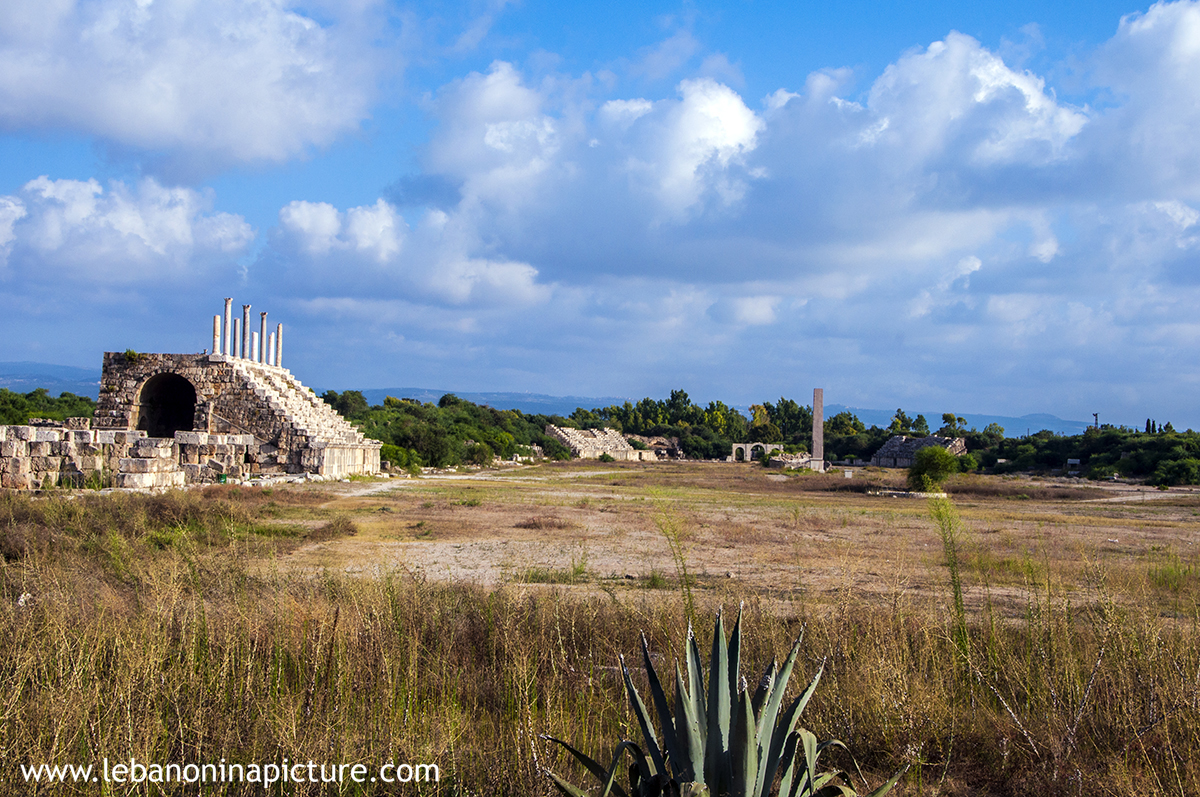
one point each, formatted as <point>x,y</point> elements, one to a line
<point>190,650</point>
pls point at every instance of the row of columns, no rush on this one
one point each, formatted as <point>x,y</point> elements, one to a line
<point>243,344</point>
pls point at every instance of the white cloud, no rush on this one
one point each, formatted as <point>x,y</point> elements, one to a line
<point>60,229</point>
<point>958,99</point>
<point>745,310</point>
<point>222,79</point>
<point>370,251</point>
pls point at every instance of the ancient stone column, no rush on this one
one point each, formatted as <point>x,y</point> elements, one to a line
<point>818,443</point>
<point>225,344</point>
<point>246,350</point>
<point>216,334</point>
<point>235,348</point>
<point>279,346</point>
<point>261,353</point>
<point>253,345</point>
<point>269,357</point>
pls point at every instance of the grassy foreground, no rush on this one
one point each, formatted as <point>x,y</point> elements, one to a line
<point>149,627</point>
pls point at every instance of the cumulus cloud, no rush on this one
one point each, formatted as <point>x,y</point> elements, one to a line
<point>371,251</point>
<point>223,79</point>
<point>79,232</point>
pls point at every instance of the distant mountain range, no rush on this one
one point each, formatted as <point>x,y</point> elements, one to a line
<point>23,377</point>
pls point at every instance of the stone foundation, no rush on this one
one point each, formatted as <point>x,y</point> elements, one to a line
<point>165,420</point>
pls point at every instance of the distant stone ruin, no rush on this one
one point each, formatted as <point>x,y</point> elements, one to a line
<point>165,420</point>
<point>592,443</point>
<point>901,451</point>
<point>777,458</point>
<point>746,452</point>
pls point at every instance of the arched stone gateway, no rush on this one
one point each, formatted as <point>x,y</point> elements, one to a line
<point>744,452</point>
<point>166,405</point>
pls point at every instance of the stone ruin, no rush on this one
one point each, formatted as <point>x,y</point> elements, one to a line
<point>901,451</point>
<point>777,458</point>
<point>592,443</point>
<point>165,420</point>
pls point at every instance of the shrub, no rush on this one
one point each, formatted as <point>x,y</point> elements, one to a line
<point>606,457</point>
<point>931,466</point>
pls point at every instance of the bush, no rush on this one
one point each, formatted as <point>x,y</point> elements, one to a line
<point>1181,471</point>
<point>932,466</point>
<point>968,463</point>
<point>606,457</point>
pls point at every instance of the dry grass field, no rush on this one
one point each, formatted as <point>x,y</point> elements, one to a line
<point>1027,637</point>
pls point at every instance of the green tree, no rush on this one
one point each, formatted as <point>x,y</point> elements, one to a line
<point>921,426</point>
<point>844,424</point>
<point>901,423</point>
<point>765,433</point>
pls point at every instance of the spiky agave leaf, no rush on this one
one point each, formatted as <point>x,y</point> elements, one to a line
<point>606,776</point>
<point>691,738</point>
<point>674,754</point>
<point>716,754</point>
<point>780,733</point>
<point>643,718</point>
<point>696,693</point>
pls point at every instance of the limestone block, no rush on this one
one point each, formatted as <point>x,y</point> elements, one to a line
<point>14,481</point>
<point>15,465</point>
<point>45,463</point>
<point>190,438</point>
<point>134,480</point>
<point>21,432</point>
<point>107,437</point>
<point>39,449</point>
<point>43,435</point>
<point>3,433</point>
<point>83,436</point>
<point>189,454</point>
<point>14,448</point>
<point>194,474</point>
<point>147,465</point>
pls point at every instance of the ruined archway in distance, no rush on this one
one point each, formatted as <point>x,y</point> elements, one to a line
<point>166,405</point>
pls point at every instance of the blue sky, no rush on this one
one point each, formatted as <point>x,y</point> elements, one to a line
<point>986,207</point>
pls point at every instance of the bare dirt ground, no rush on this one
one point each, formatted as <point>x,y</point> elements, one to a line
<point>593,527</point>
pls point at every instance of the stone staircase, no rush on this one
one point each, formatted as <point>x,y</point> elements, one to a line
<point>305,411</point>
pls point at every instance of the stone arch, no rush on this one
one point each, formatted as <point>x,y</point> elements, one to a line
<point>166,405</point>
<point>739,454</point>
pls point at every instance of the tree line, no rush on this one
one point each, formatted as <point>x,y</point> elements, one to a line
<point>455,432</point>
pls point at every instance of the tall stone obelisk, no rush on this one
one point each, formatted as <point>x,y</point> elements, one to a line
<point>818,443</point>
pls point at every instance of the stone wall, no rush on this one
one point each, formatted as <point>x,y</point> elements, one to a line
<point>900,451</point>
<point>43,456</point>
<point>591,443</point>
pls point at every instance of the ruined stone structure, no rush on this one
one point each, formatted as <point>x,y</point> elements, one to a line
<point>164,420</point>
<point>900,451</point>
<point>744,452</point>
<point>591,443</point>
<point>818,432</point>
<point>662,447</point>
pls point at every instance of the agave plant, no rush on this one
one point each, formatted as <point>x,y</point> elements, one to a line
<point>723,740</point>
